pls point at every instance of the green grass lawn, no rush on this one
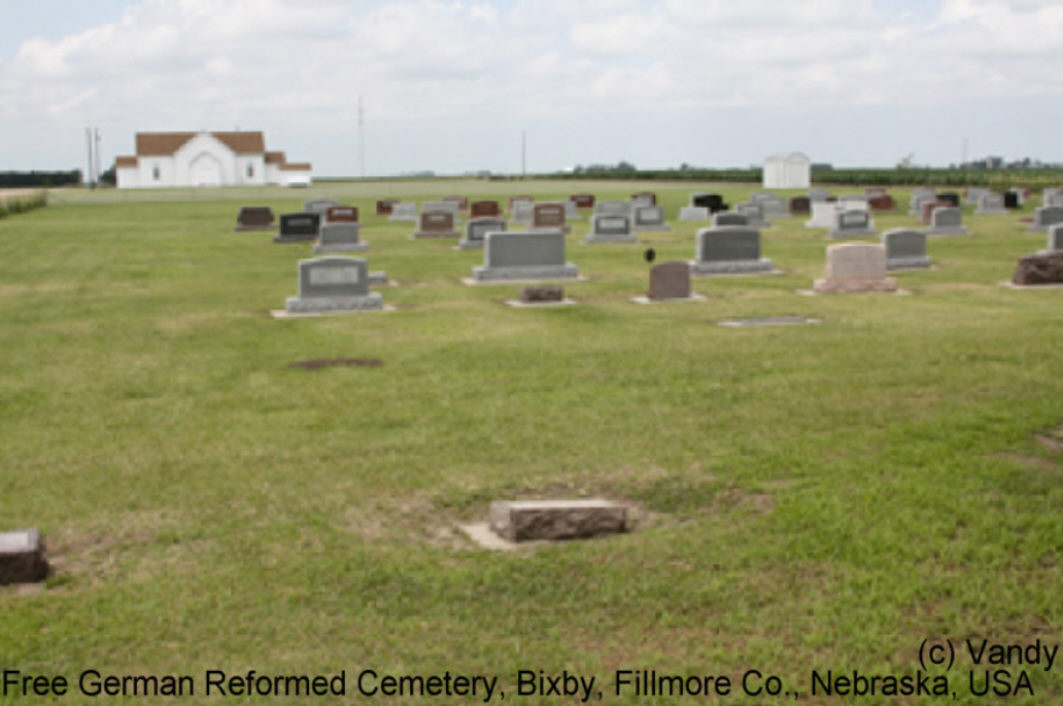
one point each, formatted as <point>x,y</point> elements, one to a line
<point>821,497</point>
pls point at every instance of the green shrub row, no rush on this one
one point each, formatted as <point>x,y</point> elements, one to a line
<point>21,205</point>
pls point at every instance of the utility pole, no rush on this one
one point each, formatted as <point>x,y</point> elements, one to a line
<point>96,174</point>
<point>361,138</point>
<point>88,174</point>
<point>523,154</point>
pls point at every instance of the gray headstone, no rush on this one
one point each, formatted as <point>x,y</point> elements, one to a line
<point>1055,237</point>
<point>1046,216</point>
<point>522,211</point>
<point>818,194</point>
<point>319,206</point>
<point>451,207</point>
<point>534,254</point>
<point>403,212</point>
<point>990,203</point>
<point>754,214</point>
<point>610,228</point>
<point>851,223</point>
<point>729,218</point>
<point>613,208</point>
<point>649,218</point>
<point>476,231</point>
<point>729,249</point>
<point>905,248</point>
<point>693,213</point>
<point>339,237</point>
<point>946,220</point>
<point>333,284</point>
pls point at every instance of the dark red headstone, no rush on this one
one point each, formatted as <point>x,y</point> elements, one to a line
<point>383,207</point>
<point>479,209</point>
<point>582,200</point>
<point>342,214</point>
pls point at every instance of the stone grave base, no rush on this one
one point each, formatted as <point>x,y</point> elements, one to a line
<point>915,262</point>
<point>253,229</point>
<point>991,212</point>
<point>483,273</point>
<point>1050,285</point>
<point>599,238</point>
<point>694,213</point>
<point>379,277</point>
<point>418,234</point>
<point>402,219</point>
<point>851,286</point>
<point>651,229</point>
<point>850,233</point>
<point>342,247</point>
<point>470,245</point>
<point>733,267</point>
<point>529,520</point>
<point>310,305</point>
<point>692,298</point>
<point>767,321</point>
<point>518,304</point>
<point>948,230</point>
<point>295,238</point>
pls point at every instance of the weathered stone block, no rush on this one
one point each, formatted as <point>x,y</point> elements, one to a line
<point>1043,268</point>
<point>22,557</point>
<point>524,520</point>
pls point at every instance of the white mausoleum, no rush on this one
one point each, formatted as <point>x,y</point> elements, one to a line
<point>206,159</point>
<point>787,171</point>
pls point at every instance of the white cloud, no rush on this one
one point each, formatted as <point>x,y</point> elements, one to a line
<point>290,65</point>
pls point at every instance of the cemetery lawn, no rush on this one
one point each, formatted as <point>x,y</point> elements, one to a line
<point>808,498</point>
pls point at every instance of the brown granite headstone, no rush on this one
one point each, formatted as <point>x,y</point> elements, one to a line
<point>670,280</point>
<point>1043,268</point>
<point>342,214</point>
<point>383,207</point>
<point>436,224</point>
<point>800,204</point>
<point>928,207</point>
<point>542,293</point>
<point>482,209</point>
<point>881,202</point>
<point>582,200</point>
<point>549,215</point>
<point>254,218</point>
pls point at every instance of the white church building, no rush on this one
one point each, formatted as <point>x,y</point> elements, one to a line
<point>206,159</point>
<point>787,171</point>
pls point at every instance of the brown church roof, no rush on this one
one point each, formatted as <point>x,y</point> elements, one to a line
<point>296,167</point>
<point>274,158</point>
<point>243,142</point>
<point>160,144</point>
<point>125,161</point>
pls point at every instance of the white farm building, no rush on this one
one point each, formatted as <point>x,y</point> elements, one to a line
<point>206,159</point>
<point>787,171</point>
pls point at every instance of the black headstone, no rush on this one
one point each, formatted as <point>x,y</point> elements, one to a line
<point>949,196</point>
<point>1011,199</point>
<point>298,227</point>
<point>713,202</point>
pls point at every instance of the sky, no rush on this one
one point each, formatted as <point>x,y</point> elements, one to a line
<point>452,86</point>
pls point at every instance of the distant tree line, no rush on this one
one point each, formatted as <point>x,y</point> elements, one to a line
<point>9,180</point>
<point>826,174</point>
